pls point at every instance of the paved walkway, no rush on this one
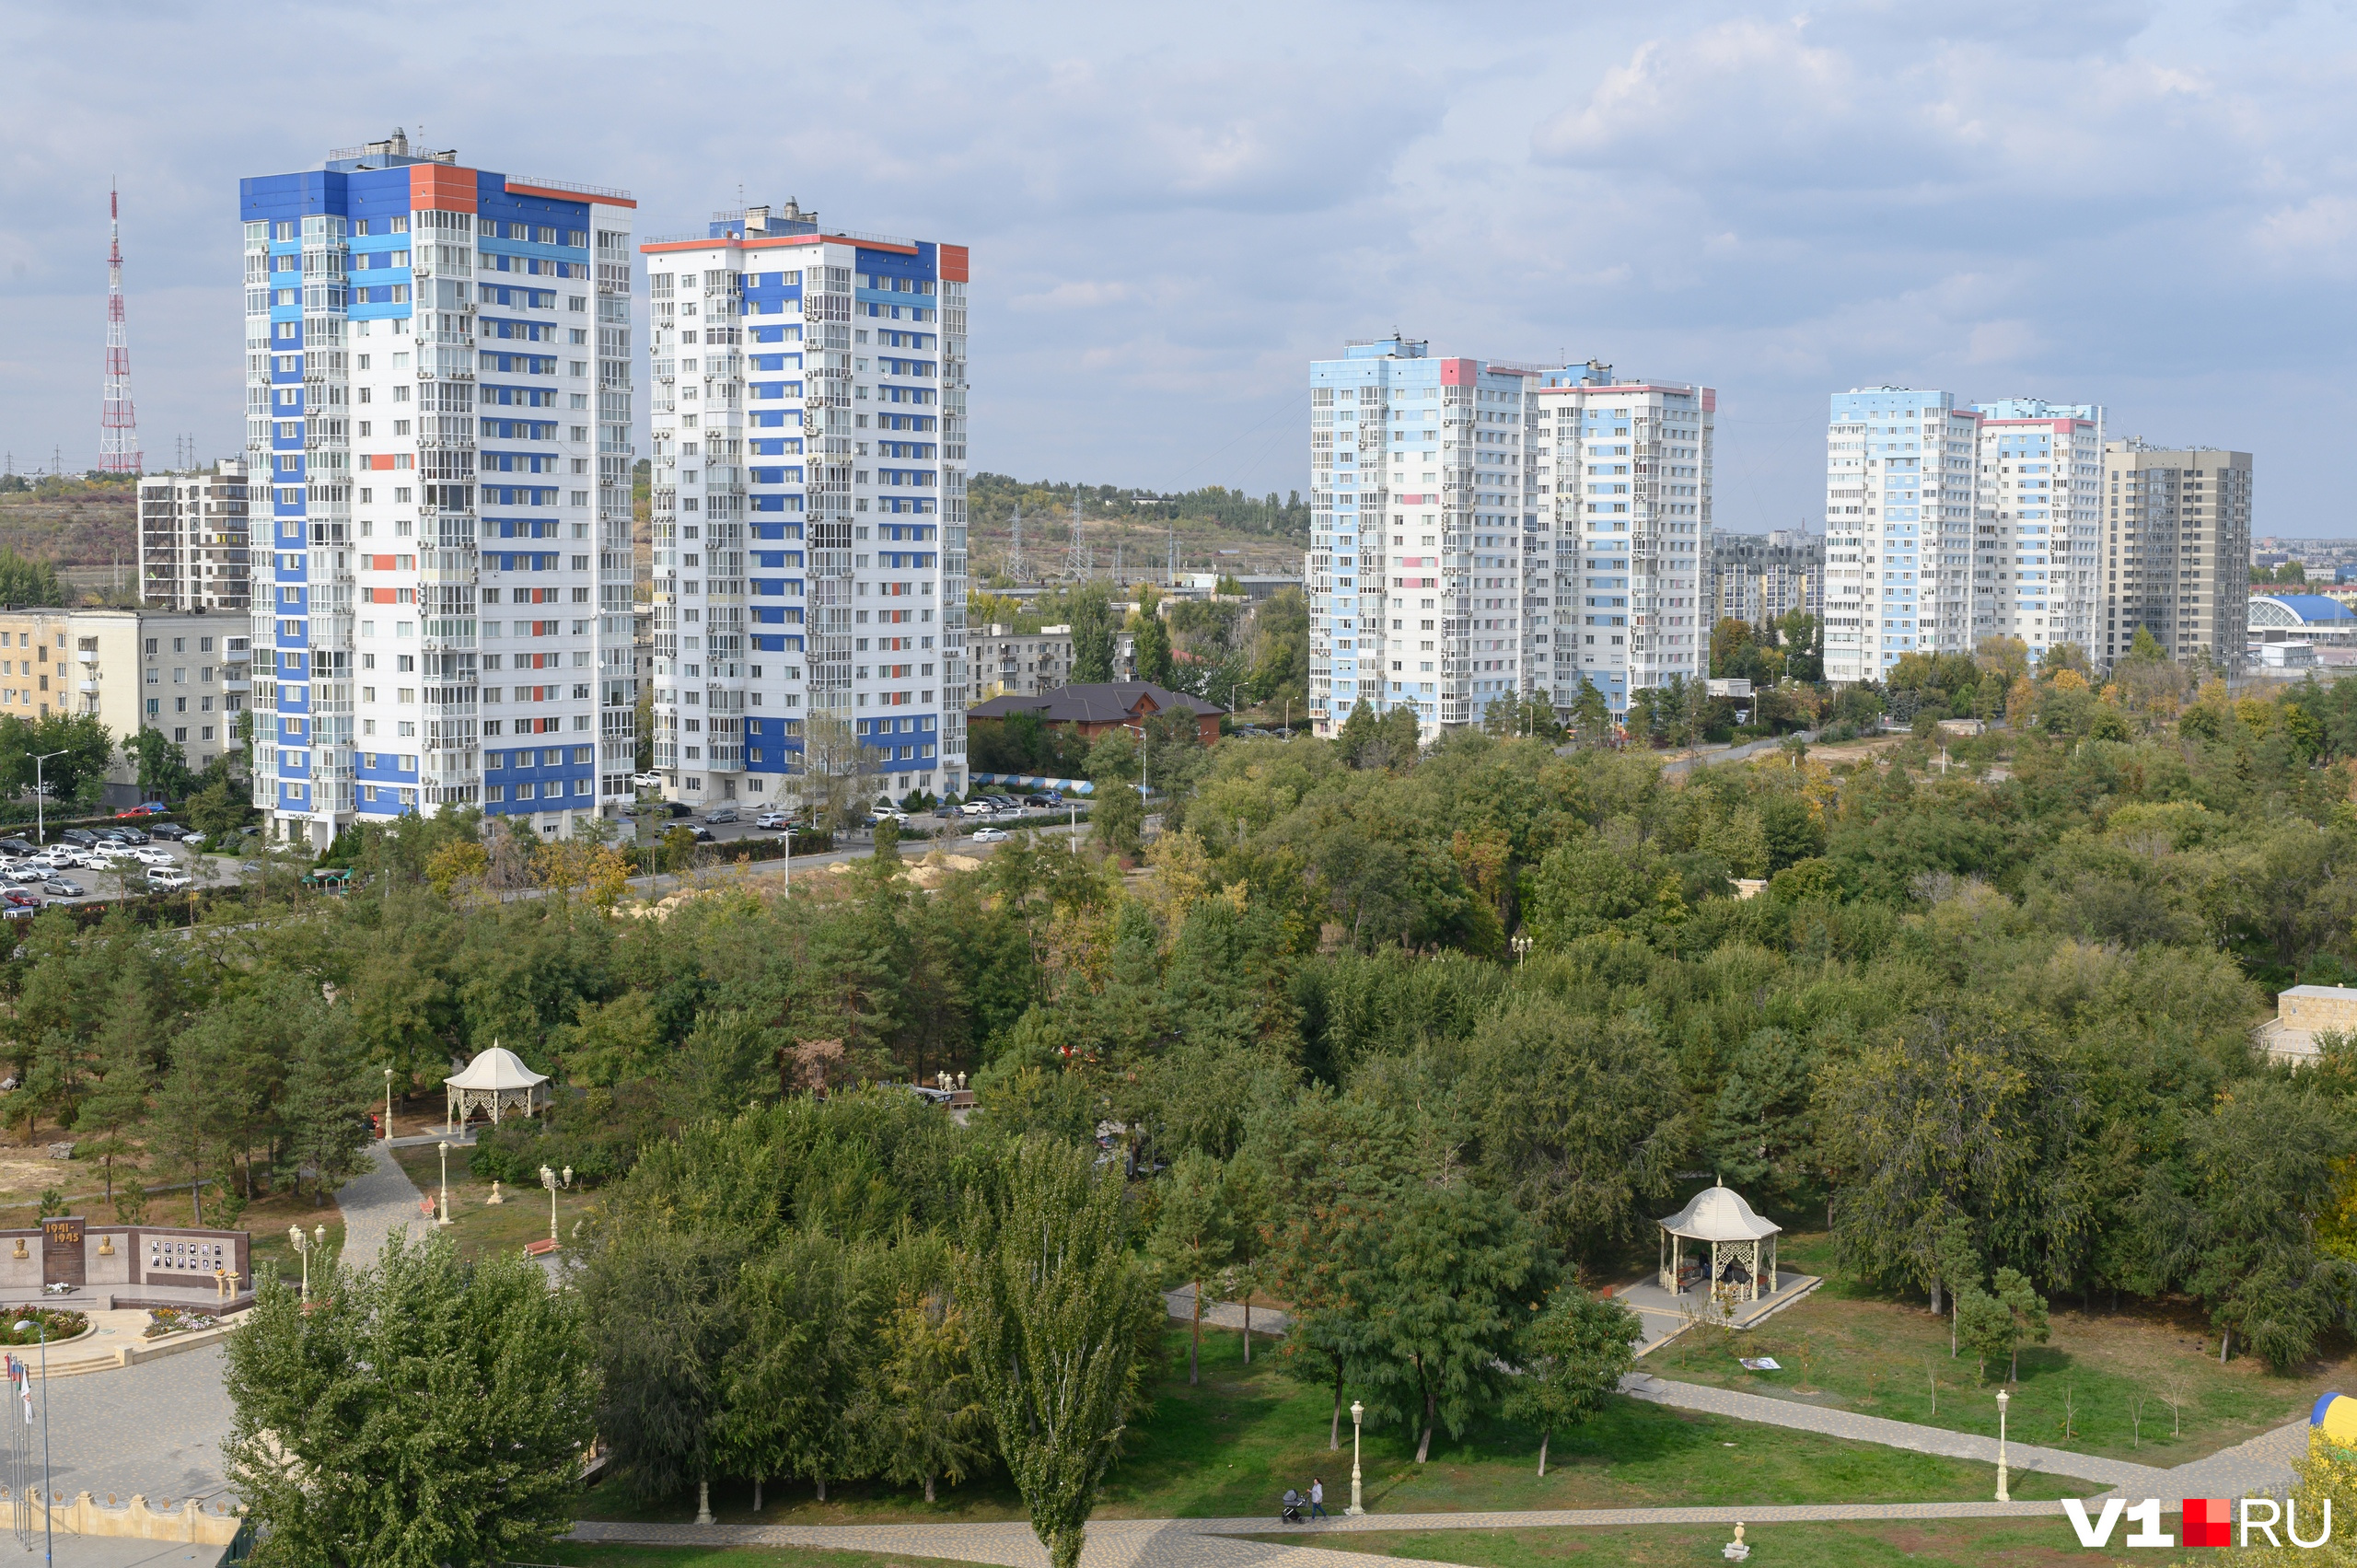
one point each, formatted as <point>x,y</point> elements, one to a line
<point>1269,1321</point>
<point>373,1203</point>
<point>1215,1543</point>
<point>1906,1435</point>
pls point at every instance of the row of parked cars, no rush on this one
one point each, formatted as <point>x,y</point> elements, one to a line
<point>30,871</point>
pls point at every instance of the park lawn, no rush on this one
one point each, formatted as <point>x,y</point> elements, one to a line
<point>478,1225</point>
<point>1930,1543</point>
<point>578,1555</point>
<point>1851,1347</point>
<point>1230,1447</point>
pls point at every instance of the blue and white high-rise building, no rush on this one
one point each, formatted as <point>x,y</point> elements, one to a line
<point>1421,491</point>
<point>1628,466</point>
<point>810,506</point>
<point>439,443</point>
<point>1484,530</point>
<point>2039,556</point>
<point>1899,508</point>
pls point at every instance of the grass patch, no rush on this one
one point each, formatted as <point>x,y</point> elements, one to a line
<point>478,1225</point>
<point>1229,1448</point>
<point>578,1554</point>
<point>1928,1543</point>
<point>1850,1347</point>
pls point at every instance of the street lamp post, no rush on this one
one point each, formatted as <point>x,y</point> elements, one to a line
<point>302,1245</point>
<point>2000,1448</point>
<point>48,1525</point>
<point>548,1180</point>
<point>389,1108</point>
<point>1521,949</point>
<point>445,1147</point>
<point>40,830</point>
<point>1358,1413</point>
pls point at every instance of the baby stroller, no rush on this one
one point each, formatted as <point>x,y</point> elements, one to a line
<point>1292,1515</point>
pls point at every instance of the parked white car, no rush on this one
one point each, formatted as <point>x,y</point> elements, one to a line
<point>170,880</point>
<point>991,835</point>
<point>163,858</point>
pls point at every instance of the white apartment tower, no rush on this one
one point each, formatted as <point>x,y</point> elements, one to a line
<point>810,503</point>
<point>192,538</point>
<point>439,438</point>
<point>1422,494</point>
<point>1629,465</point>
<point>2037,540</point>
<point>1899,523</point>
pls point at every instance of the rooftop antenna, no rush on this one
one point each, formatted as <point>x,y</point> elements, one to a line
<point>118,425</point>
<point>1014,551</point>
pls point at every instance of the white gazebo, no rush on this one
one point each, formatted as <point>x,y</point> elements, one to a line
<point>495,1081</point>
<point>1738,1239</point>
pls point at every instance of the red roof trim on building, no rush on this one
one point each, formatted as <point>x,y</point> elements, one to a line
<point>516,190</point>
<point>772,242</point>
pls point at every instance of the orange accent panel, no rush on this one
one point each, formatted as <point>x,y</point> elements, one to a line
<point>953,263</point>
<point>516,190</point>
<point>441,187</point>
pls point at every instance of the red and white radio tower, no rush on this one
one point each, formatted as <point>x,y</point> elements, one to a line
<point>118,427</point>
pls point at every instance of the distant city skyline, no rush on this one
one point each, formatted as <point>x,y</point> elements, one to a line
<point>1171,215</point>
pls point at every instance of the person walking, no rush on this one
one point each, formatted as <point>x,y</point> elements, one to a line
<point>1318,1498</point>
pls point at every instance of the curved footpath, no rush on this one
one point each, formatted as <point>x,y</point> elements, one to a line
<point>2260,1464</point>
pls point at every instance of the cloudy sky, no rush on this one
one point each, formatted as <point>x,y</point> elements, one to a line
<point>2150,207</point>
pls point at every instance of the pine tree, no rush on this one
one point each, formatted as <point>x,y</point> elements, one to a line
<point>118,1101</point>
<point>924,1421</point>
<point>1192,1237</point>
<point>323,1107</point>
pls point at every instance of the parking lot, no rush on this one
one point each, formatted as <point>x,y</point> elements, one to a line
<point>942,829</point>
<point>77,875</point>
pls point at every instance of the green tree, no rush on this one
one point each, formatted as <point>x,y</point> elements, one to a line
<point>1569,1358</point>
<point>1580,1120</point>
<point>162,765</point>
<point>32,582</point>
<point>124,1077</point>
<point>1151,650</point>
<point>192,1120</point>
<point>793,1379</point>
<point>663,1317</point>
<point>1987,1327</point>
<point>926,1423</point>
<point>323,1105</point>
<point>1448,1268</point>
<point>1591,717</point>
<point>424,1376</point>
<point>1056,1310</point>
<point>1193,1237</point>
<point>78,775</point>
<point>1092,634</point>
<point>1116,810</point>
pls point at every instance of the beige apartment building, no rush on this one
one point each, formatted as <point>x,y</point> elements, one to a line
<point>184,674</point>
<point>1008,663</point>
<point>2175,551</point>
